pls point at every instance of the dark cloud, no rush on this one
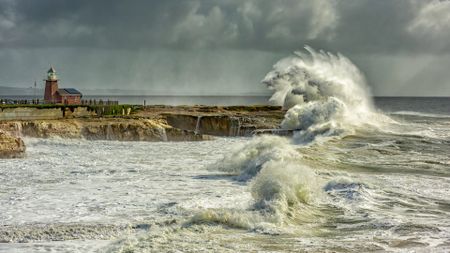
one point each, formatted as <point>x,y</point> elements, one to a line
<point>351,26</point>
<point>184,39</point>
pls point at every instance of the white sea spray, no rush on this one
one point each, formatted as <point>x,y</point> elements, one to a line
<point>325,95</point>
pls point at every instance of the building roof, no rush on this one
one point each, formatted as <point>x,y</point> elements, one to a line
<point>51,70</point>
<point>69,92</point>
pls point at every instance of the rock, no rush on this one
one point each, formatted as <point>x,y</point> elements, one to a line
<point>158,123</point>
<point>223,124</point>
<point>125,130</point>
<point>51,128</point>
<point>118,129</point>
<point>10,146</point>
<point>175,134</point>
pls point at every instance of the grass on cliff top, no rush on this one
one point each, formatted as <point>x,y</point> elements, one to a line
<point>99,109</point>
<point>112,110</point>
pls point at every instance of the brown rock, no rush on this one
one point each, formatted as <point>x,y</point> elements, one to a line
<point>117,129</point>
<point>10,146</point>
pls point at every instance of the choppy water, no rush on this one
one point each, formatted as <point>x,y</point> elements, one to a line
<point>368,191</point>
<point>353,178</point>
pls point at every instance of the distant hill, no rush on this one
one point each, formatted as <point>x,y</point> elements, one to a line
<point>14,91</point>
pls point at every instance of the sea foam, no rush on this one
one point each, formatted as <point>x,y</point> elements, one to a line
<point>325,95</point>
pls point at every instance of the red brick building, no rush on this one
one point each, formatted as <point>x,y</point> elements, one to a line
<point>54,95</point>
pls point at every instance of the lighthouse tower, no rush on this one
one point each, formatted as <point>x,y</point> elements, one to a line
<point>51,86</point>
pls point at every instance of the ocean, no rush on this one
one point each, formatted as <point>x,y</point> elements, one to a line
<point>358,175</point>
<point>370,191</point>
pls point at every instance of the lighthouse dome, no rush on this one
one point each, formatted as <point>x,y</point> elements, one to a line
<point>51,74</point>
<point>51,70</point>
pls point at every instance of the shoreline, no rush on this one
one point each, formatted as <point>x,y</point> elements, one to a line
<point>134,123</point>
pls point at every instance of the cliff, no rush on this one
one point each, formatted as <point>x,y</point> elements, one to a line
<point>151,123</point>
<point>219,120</point>
<point>102,129</point>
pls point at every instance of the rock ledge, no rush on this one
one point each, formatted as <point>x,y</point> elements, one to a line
<point>10,146</point>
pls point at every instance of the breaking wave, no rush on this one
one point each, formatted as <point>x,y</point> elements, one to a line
<point>325,96</point>
<point>330,179</point>
<point>246,161</point>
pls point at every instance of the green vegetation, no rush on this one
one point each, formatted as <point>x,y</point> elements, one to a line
<point>112,110</point>
<point>100,110</point>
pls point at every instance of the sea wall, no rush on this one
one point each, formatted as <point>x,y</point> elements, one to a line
<point>30,113</point>
<point>33,113</point>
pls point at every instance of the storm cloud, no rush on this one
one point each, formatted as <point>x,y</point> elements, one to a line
<point>217,46</point>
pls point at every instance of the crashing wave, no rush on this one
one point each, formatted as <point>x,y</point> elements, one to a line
<point>246,161</point>
<point>325,95</point>
<point>314,76</point>
<point>283,188</point>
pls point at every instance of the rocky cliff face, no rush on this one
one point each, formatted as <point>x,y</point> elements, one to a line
<point>102,129</point>
<point>165,127</point>
<point>48,128</point>
<point>10,146</point>
<point>154,123</point>
<point>218,120</point>
<point>137,130</point>
<point>222,125</point>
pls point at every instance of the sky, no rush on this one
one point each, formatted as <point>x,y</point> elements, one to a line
<point>218,47</point>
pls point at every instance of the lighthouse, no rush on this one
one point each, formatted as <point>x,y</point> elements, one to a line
<point>54,95</point>
<point>51,86</point>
